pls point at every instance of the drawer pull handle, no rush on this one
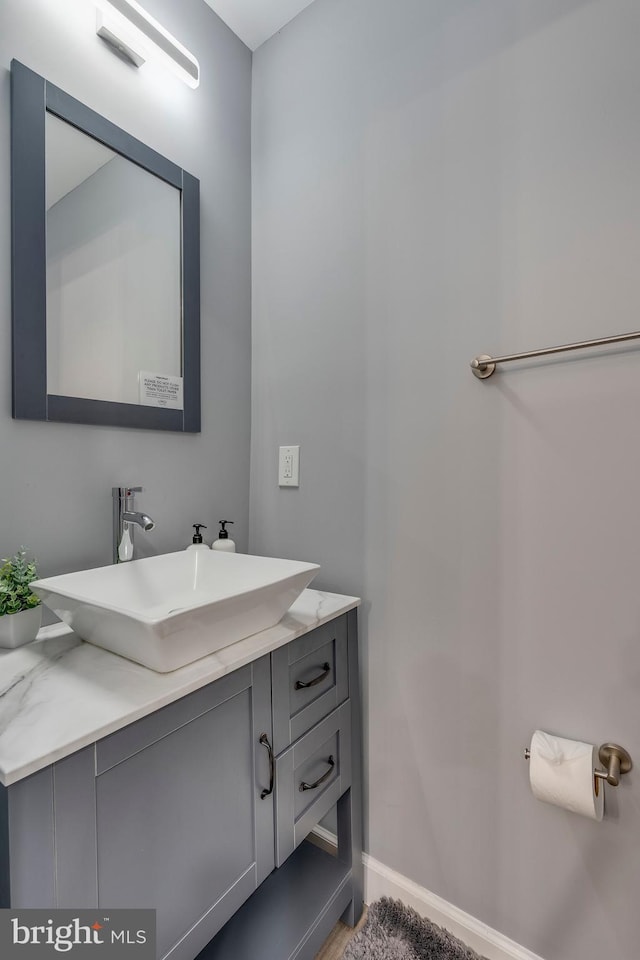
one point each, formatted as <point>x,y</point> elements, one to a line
<point>311,786</point>
<point>301,684</point>
<point>264,740</point>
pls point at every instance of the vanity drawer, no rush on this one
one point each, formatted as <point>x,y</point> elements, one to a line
<point>310,679</point>
<point>311,776</point>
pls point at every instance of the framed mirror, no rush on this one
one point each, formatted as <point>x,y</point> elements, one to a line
<point>105,269</point>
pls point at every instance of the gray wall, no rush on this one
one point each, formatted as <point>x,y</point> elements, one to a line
<point>113,283</point>
<point>434,180</point>
<point>56,479</point>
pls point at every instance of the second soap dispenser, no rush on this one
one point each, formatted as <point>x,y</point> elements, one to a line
<point>224,541</point>
<point>198,543</point>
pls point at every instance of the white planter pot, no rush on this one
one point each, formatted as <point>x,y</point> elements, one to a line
<point>19,628</point>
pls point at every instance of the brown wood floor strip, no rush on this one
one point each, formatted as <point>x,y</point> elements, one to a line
<point>338,939</point>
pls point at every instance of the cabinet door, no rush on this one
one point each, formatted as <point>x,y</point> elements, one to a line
<point>176,821</point>
<point>172,813</point>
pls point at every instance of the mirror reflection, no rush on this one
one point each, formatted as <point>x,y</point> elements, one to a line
<point>113,275</point>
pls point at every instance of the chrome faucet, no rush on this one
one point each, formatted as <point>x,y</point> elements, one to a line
<point>125,519</point>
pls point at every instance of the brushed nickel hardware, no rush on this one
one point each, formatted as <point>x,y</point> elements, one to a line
<point>483,365</point>
<point>325,776</point>
<point>616,760</point>
<point>612,756</point>
<point>264,740</point>
<point>300,684</point>
<point>125,518</point>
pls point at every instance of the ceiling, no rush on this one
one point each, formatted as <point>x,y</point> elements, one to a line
<point>254,21</point>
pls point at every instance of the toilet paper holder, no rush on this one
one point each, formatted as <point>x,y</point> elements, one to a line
<point>612,756</point>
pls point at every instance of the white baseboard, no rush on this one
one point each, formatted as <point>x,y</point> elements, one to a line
<point>382,881</point>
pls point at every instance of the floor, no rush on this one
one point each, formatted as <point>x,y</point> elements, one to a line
<point>338,939</point>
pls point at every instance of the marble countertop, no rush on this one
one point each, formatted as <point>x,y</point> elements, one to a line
<point>59,694</point>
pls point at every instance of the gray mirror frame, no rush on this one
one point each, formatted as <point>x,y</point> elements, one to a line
<point>32,97</point>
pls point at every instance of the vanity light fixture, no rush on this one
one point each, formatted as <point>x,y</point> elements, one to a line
<point>114,31</point>
<point>139,37</point>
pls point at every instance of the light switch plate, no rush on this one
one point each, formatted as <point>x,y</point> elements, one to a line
<point>289,467</point>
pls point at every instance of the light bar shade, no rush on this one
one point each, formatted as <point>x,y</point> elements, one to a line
<point>158,42</point>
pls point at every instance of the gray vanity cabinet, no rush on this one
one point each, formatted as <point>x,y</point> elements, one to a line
<point>188,811</point>
<point>167,813</point>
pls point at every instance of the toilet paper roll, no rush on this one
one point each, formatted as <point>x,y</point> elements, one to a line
<point>562,772</point>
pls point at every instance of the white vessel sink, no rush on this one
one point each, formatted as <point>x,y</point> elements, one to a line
<point>167,611</point>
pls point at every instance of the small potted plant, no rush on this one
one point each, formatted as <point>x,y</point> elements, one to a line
<point>20,609</point>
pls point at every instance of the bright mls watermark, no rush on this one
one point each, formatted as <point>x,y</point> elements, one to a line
<point>79,934</point>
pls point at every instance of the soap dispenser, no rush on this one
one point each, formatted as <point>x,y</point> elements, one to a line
<point>224,542</point>
<point>198,543</point>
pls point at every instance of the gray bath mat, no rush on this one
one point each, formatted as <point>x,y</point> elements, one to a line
<point>396,932</point>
